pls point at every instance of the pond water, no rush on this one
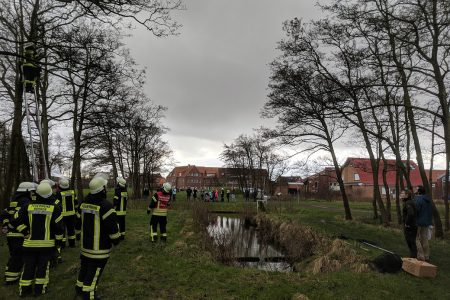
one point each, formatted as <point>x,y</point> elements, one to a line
<point>247,250</point>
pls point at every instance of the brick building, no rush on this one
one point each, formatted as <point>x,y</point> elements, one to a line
<point>323,184</point>
<point>288,185</point>
<point>201,177</point>
<point>357,175</point>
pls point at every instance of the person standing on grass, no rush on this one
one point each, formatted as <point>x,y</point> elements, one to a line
<point>189,193</point>
<point>424,220</point>
<point>41,223</point>
<point>158,208</point>
<point>195,193</point>
<point>69,204</point>
<point>222,195</point>
<point>120,204</point>
<point>409,221</point>
<point>22,197</point>
<point>228,195</point>
<point>247,194</point>
<point>99,231</point>
<point>174,194</point>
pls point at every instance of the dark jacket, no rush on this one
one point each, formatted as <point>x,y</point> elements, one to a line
<point>42,221</point>
<point>409,215</point>
<point>120,200</point>
<point>98,225</point>
<point>68,200</point>
<point>20,200</point>
<point>424,210</point>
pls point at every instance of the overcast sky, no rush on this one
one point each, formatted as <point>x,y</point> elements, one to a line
<point>213,77</point>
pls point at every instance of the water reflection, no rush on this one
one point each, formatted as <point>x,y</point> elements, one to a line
<point>247,249</point>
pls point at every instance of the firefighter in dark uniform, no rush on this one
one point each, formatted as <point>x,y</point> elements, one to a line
<point>120,204</point>
<point>56,256</point>
<point>158,207</point>
<point>69,204</point>
<point>99,231</point>
<point>21,198</point>
<point>41,221</point>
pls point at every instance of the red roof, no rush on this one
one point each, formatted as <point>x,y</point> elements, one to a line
<point>364,169</point>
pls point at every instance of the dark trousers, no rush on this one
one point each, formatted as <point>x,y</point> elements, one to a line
<point>15,262</point>
<point>69,225</point>
<point>121,221</point>
<point>154,221</point>
<point>90,271</point>
<point>35,269</point>
<point>410,237</point>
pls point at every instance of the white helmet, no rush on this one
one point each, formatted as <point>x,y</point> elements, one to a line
<point>50,182</point>
<point>44,190</point>
<point>64,183</point>
<point>97,184</point>
<point>121,181</point>
<point>26,186</point>
<point>167,187</point>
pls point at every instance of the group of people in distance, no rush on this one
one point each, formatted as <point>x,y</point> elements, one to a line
<point>41,216</point>
<point>417,222</point>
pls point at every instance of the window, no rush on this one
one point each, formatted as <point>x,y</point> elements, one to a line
<point>356,176</point>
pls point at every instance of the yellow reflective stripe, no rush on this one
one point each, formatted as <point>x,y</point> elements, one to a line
<point>21,227</point>
<point>48,219</point>
<point>91,288</point>
<point>103,251</point>
<point>79,283</point>
<point>13,204</point>
<point>123,196</point>
<point>14,234</point>
<point>160,212</point>
<point>64,205</point>
<point>112,210</point>
<point>41,207</point>
<point>40,280</point>
<point>97,256</point>
<point>96,232</point>
<point>38,243</point>
<point>25,282</point>
<point>59,219</point>
<point>114,236</point>
<point>12,274</point>
<point>121,213</point>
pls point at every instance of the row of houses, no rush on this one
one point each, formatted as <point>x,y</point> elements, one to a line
<point>357,176</point>
<point>358,180</point>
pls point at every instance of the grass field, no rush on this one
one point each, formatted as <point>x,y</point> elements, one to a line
<point>180,269</point>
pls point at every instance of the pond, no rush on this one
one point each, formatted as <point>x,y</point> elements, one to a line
<point>247,249</point>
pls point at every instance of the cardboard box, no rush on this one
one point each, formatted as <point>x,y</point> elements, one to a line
<point>419,268</point>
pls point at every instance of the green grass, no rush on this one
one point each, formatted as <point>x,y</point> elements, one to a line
<point>180,269</point>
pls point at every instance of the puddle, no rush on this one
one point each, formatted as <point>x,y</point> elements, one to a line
<point>247,249</point>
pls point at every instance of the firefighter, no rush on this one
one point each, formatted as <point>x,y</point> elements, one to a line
<point>69,204</point>
<point>42,221</point>
<point>21,198</point>
<point>120,204</point>
<point>99,231</point>
<point>56,257</point>
<point>158,207</point>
